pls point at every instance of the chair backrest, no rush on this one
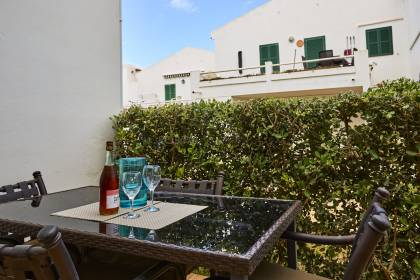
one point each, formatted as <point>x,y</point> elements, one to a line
<point>373,227</point>
<point>326,53</point>
<point>34,189</point>
<point>48,261</point>
<point>212,187</point>
<point>381,195</point>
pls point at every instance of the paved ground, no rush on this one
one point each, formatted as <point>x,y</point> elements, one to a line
<point>195,277</point>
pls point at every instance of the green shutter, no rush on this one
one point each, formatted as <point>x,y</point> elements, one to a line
<point>379,41</point>
<point>263,57</point>
<point>269,52</point>
<point>274,55</point>
<point>170,92</point>
<point>372,42</point>
<point>167,92</point>
<point>312,48</point>
<point>173,91</point>
<point>386,41</point>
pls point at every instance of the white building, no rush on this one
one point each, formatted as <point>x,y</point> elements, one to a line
<point>287,33</point>
<point>169,79</point>
<point>60,81</point>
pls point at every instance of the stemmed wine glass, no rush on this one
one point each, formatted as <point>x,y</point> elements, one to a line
<point>131,234</point>
<point>151,175</point>
<point>131,184</point>
<point>152,236</point>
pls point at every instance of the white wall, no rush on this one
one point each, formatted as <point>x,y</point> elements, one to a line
<point>390,67</point>
<point>277,20</point>
<point>60,81</point>
<point>415,61</point>
<point>413,12</point>
<point>151,82</point>
<point>130,84</point>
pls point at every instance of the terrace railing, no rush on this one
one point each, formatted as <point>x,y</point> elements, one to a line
<point>288,67</point>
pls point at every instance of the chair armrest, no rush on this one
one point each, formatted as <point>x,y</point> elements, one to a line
<point>319,239</point>
<point>157,271</point>
<point>11,239</point>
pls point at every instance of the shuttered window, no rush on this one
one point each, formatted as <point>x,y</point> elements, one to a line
<point>379,41</point>
<point>269,52</point>
<point>170,92</point>
<point>313,46</point>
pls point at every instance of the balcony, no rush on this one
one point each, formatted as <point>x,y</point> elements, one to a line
<point>293,79</point>
<point>329,77</point>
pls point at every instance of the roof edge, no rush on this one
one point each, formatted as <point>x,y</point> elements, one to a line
<point>178,52</point>
<point>214,32</point>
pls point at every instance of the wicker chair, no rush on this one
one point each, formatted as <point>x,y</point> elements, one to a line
<point>211,187</point>
<point>373,227</point>
<point>33,189</point>
<point>50,260</point>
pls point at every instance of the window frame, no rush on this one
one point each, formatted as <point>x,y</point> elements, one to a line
<point>170,91</point>
<point>312,65</point>
<point>275,68</point>
<point>379,41</point>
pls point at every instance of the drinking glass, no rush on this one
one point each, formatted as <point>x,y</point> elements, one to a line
<point>151,175</point>
<point>131,184</point>
<point>152,236</point>
<point>131,234</point>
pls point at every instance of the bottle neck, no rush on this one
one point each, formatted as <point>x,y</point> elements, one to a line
<point>109,161</point>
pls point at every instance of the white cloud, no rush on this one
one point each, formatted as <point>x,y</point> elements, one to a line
<point>184,5</point>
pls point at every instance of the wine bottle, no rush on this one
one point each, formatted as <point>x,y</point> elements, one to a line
<point>109,229</point>
<point>109,185</point>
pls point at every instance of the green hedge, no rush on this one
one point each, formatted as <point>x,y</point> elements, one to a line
<point>307,149</point>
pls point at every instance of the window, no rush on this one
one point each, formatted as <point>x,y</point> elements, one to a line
<point>240,64</point>
<point>379,41</point>
<point>313,46</point>
<point>170,92</point>
<point>269,52</point>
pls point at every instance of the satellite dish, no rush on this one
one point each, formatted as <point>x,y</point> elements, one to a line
<point>300,43</point>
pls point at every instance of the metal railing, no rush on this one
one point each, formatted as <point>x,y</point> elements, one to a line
<point>346,57</point>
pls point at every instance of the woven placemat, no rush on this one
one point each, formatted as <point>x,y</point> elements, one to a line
<point>90,212</point>
<point>169,213</point>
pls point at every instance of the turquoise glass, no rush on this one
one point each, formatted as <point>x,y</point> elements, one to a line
<point>135,165</point>
<point>139,233</point>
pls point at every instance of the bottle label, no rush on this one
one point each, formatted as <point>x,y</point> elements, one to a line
<point>112,199</point>
<point>111,229</point>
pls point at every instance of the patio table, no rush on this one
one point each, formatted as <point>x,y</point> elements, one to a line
<point>232,234</point>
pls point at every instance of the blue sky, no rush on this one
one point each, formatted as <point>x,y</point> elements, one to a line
<point>154,29</point>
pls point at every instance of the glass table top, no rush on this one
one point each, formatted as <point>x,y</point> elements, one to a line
<point>228,224</point>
